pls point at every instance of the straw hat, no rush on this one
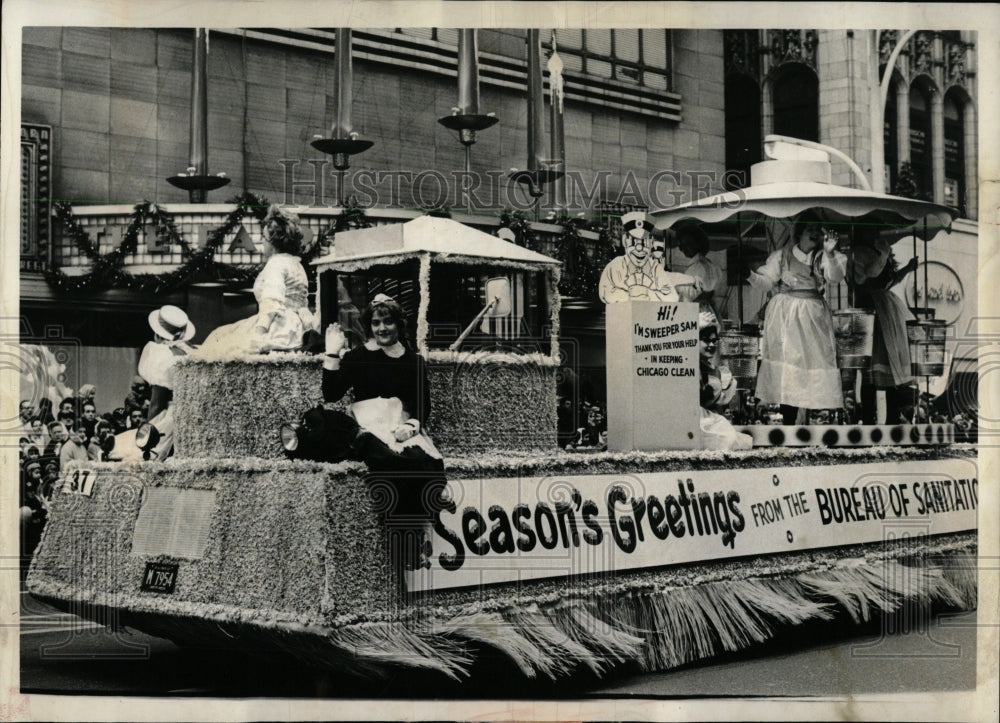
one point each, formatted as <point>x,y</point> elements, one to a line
<point>170,322</point>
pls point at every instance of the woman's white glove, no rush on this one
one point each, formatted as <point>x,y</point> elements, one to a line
<point>335,339</point>
<point>830,241</point>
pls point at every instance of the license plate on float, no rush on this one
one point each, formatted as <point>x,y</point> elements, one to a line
<point>159,577</point>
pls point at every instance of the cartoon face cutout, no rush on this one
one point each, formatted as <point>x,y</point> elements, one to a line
<point>636,237</point>
<point>636,245</point>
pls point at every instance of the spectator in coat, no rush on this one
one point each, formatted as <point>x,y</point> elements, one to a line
<point>38,434</point>
<point>45,411</point>
<point>58,434</point>
<point>88,419</point>
<point>33,511</point>
<point>75,449</point>
<point>25,413</point>
<point>67,409</point>
<point>135,419</point>
<point>117,419</point>
<point>87,393</point>
<point>138,397</point>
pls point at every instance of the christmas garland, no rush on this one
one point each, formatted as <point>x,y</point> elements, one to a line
<point>519,224</point>
<point>583,261</point>
<point>353,216</point>
<point>107,271</point>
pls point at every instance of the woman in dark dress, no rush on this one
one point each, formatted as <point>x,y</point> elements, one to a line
<point>873,272</point>
<point>391,403</point>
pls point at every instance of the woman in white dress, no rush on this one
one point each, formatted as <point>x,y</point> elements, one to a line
<point>172,330</point>
<point>281,290</point>
<point>799,357</point>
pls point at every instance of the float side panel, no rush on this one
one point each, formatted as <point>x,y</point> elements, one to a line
<point>492,404</point>
<point>268,551</point>
<point>235,408</point>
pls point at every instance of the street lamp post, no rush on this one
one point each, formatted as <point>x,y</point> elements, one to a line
<point>878,91</point>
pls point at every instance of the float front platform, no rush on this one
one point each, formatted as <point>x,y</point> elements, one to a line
<point>292,555</point>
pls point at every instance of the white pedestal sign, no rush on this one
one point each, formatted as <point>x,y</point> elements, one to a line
<point>652,363</point>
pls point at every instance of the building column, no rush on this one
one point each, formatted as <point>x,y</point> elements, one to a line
<point>902,122</point>
<point>970,147</point>
<point>937,144</point>
<point>767,110</point>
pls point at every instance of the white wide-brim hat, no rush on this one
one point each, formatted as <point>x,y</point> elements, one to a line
<point>172,323</point>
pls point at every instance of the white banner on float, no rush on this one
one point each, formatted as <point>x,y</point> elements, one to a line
<point>506,530</point>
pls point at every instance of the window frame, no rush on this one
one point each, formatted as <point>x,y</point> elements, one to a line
<point>641,67</point>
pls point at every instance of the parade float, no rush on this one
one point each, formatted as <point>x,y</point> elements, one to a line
<point>652,554</point>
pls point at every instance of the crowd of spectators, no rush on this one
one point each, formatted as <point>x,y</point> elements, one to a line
<point>76,431</point>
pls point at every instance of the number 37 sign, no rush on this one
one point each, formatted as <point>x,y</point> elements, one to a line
<point>79,481</point>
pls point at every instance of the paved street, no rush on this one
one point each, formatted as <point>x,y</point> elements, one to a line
<point>61,653</point>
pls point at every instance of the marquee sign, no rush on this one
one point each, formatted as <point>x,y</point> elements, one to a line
<point>508,530</point>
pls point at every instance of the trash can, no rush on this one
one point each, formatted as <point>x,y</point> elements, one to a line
<point>740,351</point>
<point>927,346</point>
<point>854,332</point>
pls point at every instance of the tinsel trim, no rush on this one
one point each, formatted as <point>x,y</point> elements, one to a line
<point>396,644</point>
<point>275,358</point>
<point>555,306</point>
<point>465,260</point>
<point>503,464</point>
<point>205,467</point>
<point>488,357</point>
<point>424,280</point>
<point>272,358</point>
<point>361,264</point>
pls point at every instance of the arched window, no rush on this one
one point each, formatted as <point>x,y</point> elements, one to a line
<point>796,103</point>
<point>921,155</point>
<point>954,152</point>
<point>743,128</point>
